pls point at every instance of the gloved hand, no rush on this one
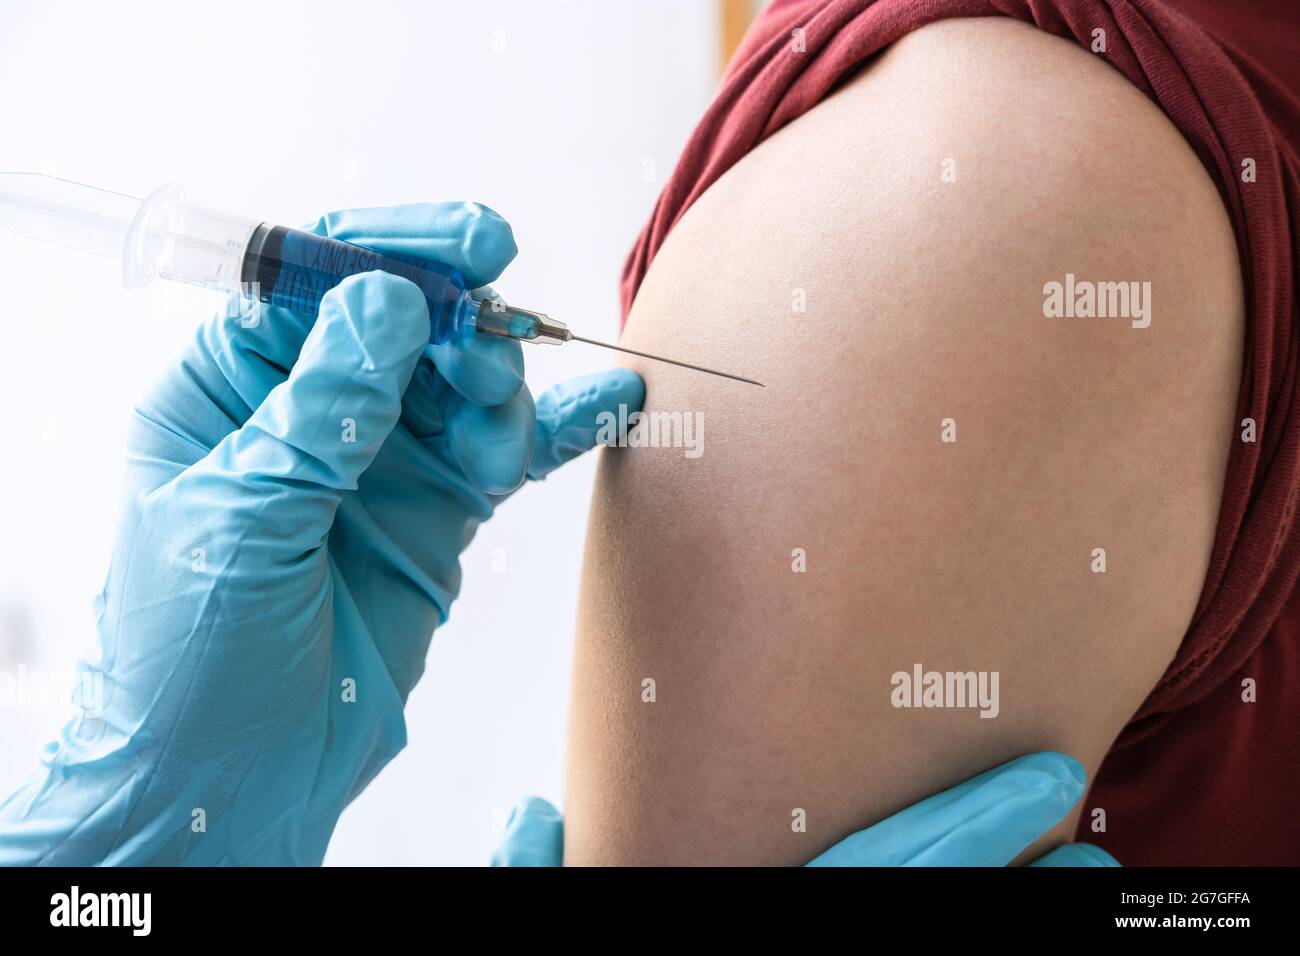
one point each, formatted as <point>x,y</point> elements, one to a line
<point>986,821</point>
<point>297,499</point>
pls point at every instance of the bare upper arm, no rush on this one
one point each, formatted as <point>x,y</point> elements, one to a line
<point>924,302</point>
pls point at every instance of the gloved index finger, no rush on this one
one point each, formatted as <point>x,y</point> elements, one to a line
<point>534,836</point>
<point>985,821</point>
<point>572,415</point>
<point>469,237</point>
<point>1076,855</point>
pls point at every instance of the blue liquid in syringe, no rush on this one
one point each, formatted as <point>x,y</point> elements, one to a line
<point>294,269</point>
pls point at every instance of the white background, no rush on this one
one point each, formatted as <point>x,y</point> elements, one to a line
<point>546,110</point>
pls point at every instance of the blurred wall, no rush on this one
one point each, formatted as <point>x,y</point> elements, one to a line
<point>734,18</point>
<point>564,116</point>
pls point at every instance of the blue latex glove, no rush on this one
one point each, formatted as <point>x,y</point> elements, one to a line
<point>289,542</point>
<point>986,821</point>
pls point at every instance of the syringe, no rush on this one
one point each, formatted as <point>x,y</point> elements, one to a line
<point>164,236</point>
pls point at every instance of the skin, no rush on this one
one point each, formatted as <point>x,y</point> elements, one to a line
<point>925,302</point>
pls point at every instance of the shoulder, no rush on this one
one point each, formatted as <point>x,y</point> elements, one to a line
<point>978,479</point>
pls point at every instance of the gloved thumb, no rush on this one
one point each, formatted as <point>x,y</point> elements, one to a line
<point>317,432</point>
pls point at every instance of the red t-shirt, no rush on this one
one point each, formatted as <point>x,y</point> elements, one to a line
<point>1200,775</point>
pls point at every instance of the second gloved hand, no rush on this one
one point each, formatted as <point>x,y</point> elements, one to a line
<point>985,821</point>
<point>298,495</point>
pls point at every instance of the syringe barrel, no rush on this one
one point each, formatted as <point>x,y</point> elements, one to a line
<point>294,269</point>
<point>170,238</point>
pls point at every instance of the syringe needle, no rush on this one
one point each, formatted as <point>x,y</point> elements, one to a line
<point>660,358</point>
